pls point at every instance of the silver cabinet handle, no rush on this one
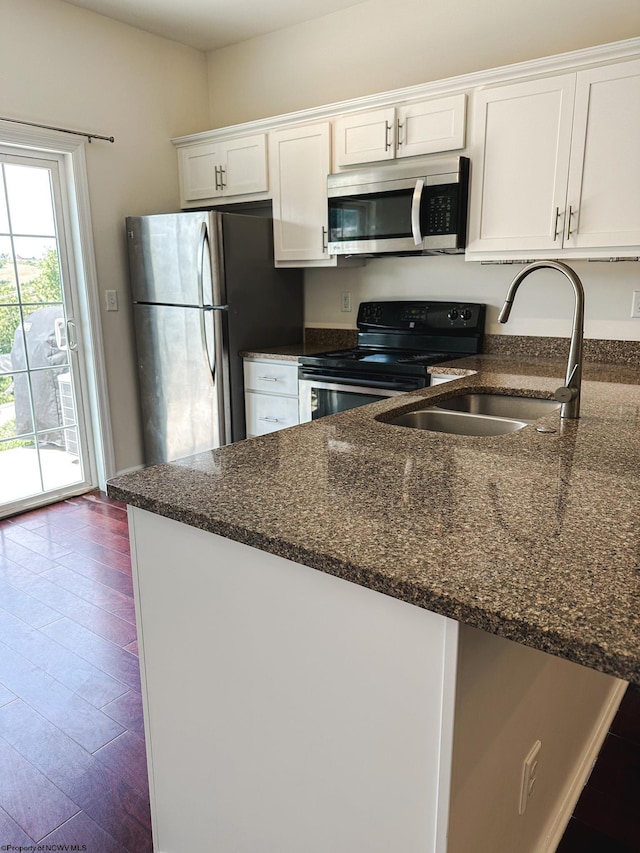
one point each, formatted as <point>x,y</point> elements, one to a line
<point>387,136</point>
<point>569,215</point>
<point>416,204</point>
<point>268,378</point>
<point>270,420</point>
<point>216,169</point>
<point>399,126</point>
<point>325,244</point>
<point>556,233</point>
<point>223,173</point>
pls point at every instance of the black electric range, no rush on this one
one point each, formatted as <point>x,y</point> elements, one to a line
<point>398,341</point>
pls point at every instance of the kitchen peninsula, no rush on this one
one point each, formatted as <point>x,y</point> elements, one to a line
<point>353,634</point>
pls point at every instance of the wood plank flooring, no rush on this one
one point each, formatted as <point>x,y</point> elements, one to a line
<point>72,758</point>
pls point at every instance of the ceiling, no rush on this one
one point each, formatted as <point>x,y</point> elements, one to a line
<point>212,24</point>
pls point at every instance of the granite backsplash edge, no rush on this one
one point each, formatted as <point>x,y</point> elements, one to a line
<point>604,351</point>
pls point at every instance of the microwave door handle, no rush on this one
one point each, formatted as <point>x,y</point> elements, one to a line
<point>416,204</point>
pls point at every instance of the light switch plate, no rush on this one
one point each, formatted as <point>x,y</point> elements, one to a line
<point>635,305</point>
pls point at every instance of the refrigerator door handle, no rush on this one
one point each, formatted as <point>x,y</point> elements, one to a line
<point>203,243</point>
<point>209,358</point>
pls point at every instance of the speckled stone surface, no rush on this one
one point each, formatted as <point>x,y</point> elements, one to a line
<point>315,341</point>
<point>604,351</point>
<point>533,537</point>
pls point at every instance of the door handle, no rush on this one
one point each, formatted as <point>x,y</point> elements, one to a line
<point>416,204</point>
<point>569,215</point>
<point>387,136</point>
<point>202,242</point>
<point>72,337</point>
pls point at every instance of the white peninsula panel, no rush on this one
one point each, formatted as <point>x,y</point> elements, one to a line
<point>287,710</point>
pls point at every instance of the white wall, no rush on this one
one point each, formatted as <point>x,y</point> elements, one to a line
<point>64,66</point>
<point>380,45</point>
<point>543,306</point>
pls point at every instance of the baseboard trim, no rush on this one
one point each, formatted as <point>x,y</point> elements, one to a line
<point>580,779</point>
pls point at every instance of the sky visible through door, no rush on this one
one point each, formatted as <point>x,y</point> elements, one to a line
<point>39,446</point>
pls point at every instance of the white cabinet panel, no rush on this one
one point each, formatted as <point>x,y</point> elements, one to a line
<point>214,170</point>
<point>272,377</point>
<point>556,171</point>
<point>405,131</point>
<point>604,176</point>
<point>198,166</point>
<point>270,395</point>
<point>299,159</point>
<point>269,413</point>
<point>519,181</point>
<point>245,166</point>
<point>364,137</point>
<point>431,126</point>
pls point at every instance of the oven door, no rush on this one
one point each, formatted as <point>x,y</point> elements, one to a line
<point>320,397</point>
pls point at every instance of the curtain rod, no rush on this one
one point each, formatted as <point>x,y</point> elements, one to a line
<point>90,136</point>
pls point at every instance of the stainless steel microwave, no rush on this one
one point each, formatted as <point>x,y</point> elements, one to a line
<point>399,209</point>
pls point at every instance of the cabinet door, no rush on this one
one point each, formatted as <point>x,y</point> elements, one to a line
<point>431,126</point>
<point>522,134</point>
<point>364,137</point>
<point>604,175</point>
<point>299,162</point>
<point>244,165</point>
<point>199,171</point>
<point>268,413</point>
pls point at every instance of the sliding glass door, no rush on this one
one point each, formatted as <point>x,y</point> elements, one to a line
<point>43,428</point>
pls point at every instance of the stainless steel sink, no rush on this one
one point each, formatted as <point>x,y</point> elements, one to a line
<point>500,406</point>
<point>457,423</point>
<point>477,414</point>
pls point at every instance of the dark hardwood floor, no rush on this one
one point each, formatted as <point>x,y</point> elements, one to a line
<point>72,758</point>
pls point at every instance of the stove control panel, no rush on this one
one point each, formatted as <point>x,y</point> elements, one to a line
<point>421,316</point>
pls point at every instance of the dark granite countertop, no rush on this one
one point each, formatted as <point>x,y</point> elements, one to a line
<point>286,353</point>
<point>533,537</point>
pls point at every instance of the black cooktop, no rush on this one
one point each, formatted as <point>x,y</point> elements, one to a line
<point>406,337</point>
<point>366,355</point>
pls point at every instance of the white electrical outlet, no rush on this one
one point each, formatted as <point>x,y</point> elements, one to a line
<point>635,304</point>
<point>111,299</point>
<point>529,775</point>
<point>345,300</point>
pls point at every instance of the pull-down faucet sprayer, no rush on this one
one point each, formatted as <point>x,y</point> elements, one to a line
<point>569,393</point>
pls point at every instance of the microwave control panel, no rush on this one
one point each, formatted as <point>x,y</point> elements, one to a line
<point>440,213</point>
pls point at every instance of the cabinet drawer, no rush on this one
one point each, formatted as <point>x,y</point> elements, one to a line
<point>268,413</point>
<point>271,377</point>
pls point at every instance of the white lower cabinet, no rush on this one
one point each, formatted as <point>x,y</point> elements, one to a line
<point>270,395</point>
<point>439,378</point>
<point>290,711</point>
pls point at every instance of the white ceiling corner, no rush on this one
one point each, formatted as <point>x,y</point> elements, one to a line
<point>212,24</point>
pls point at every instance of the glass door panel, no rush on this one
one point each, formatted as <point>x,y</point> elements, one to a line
<point>41,436</point>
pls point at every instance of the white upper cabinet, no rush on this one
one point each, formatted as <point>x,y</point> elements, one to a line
<point>299,162</point>
<point>405,131</point>
<point>214,170</point>
<point>519,174</point>
<point>603,194</point>
<point>555,166</point>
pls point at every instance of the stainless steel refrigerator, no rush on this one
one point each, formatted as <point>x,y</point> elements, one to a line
<point>204,288</point>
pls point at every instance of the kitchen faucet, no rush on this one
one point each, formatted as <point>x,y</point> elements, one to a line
<point>569,393</point>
